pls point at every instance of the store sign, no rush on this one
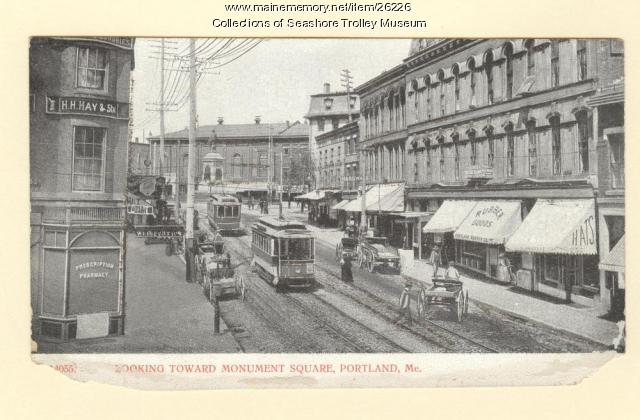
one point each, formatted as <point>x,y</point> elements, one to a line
<point>123,42</point>
<point>148,185</point>
<point>584,234</point>
<point>67,105</point>
<point>486,216</point>
<point>94,269</point>
<point>94,279</point>
<point>478,172</point>
<point>141,209</point>
<point>160,231</point>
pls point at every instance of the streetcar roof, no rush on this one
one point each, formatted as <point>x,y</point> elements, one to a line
<point>279,224</point>
<point>224,198</point>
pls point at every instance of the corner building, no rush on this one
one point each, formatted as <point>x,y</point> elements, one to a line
<point>500,145</point>
<point>78,120</point>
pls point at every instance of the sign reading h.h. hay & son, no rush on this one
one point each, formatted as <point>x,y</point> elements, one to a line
<point>67,105</point>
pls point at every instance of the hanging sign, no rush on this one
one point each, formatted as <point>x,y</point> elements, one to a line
<point>160,231</point>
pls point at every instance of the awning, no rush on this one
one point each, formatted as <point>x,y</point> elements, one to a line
<point>449,216</point>
<point>413,214</point>
<point>614,261</point>
<point>380,193</point>
<point>490,222</point>
<point>315,195</point>
<point>557,227</point>
<point>392,201</point>
<point>340,205</point>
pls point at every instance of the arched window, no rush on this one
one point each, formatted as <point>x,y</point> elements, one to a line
<point>443,98</point>
<point>472,82</point>
<point>531,64</point>
<point>533,148</point>
<point>556,148</point>
<point>237,166</point>
<point>491,154</point>
<point>555,63</point>
<point>427,94</point>
<point>473,145</point>
<point>456,86</point>
<point>488,68</point>
<point>456,157</point>
<point>508,54</point>
<point>510,163</point>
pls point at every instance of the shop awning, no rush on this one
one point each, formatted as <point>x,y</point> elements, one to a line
<point>392,201</point>
<point>449,216</point>
<point>490,222</point>
<point>340,205</point>
<point>315,195</point>
<point>385,194</point>
<point>557,227</point>
<point>614,261</point>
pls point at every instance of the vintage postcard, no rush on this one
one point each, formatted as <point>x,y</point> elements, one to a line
<point>293,212</point>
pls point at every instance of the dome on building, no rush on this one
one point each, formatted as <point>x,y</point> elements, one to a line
<point>213,156</point>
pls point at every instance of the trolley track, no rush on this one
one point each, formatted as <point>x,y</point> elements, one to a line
<point>440,338</point>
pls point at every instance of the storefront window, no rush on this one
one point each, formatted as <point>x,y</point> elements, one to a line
<point>552,269</point>
<point>472,255</point>
<point>88,156</point>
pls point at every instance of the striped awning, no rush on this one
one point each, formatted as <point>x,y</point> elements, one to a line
<point>614,260</point>
<point>557,227</point>
<point>340,205</point>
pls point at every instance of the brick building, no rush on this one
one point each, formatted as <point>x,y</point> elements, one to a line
<point>493,138</point>
<point>79,90</point>
<point>252,155</point>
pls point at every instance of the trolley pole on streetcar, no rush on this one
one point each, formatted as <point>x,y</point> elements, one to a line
<point>189,234</point>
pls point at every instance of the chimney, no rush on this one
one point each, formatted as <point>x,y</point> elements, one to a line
<point>327,88</point>
<point>257,119</point>
<point>220,120</point>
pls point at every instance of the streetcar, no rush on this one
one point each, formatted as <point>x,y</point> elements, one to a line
<point>283,253</point>
<point>223,213</point>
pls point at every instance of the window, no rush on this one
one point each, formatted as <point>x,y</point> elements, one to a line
<point>235,211</point>
<point>555,63</point>
<point>472,83</point>
<point>582,59</point>
<point>285,151</point>
<point>237,165</point>
<point>556,148</point>
<point>262,164</point>
<point>320,124</point>
<point>335,123</point>
<point>339,153</point>
<point>508,52</point>
<point>531,64</point>
<point>488,67</point>
<point>510,153</point>
<point>220,211</point>
<point>443,100</point>
<point>533,149</point>
<point>490,149</point>
<point>474,148</point>
<point>88,158</point>
<point>442,167</point>
<point>456,87</point>
<point>456,159</point>
<point>427,94</point>
<point>583,142</point>
<point>91,69</point>
<point>616,159</point>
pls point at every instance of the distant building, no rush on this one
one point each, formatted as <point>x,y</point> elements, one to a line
<point>140,159</point>
<point>328,111</point>
<point>78,122</point>
<point>252,155</point>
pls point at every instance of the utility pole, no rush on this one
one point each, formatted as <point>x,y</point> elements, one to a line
<point>347,80</point>
<point>281,188</point>
<point>189,237</point>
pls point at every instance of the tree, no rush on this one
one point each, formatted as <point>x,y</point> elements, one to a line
<point>302,170</point>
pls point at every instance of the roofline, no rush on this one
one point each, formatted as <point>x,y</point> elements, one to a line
<point>395,72</point>
<point>347,127</point>
<point>341,93</point>
<point>332,114</point>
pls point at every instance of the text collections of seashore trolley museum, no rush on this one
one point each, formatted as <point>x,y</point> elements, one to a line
<point>79,113</point>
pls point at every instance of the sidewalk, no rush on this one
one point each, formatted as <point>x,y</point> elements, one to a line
<point>574,319</point>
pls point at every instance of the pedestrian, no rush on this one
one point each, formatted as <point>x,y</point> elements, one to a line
<point>347,274</point>
<point>405,305</point>
<point>435,259</point>
<point>618,343</point>
<point>451,273</point>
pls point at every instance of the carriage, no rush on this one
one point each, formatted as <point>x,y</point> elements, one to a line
<point>445,293</point>
<point>346,248</point>
<point>223,213</point>
<point>215,272</point>
<point>283,253</point>
<point>375,251</point>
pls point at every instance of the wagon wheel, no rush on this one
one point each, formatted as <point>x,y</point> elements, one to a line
<point>466,302</point>
<point>460,307</point>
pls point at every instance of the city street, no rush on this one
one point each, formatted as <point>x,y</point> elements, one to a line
<point>359,317</point>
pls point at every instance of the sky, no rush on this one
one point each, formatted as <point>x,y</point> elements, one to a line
<point>273,80</point>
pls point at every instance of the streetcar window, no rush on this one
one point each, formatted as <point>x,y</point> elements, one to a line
<point>300,249</point>
<point>227,211</point>
<point>235,211</point>
<point>275,248</point>
<point>283,249</point>
<point>220,211</point>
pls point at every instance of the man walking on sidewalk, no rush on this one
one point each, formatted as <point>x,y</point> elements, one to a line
<point>435,259</point>
<point>405,305</point>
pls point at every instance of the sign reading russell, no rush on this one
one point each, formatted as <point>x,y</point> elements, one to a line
<point>63,105</point>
